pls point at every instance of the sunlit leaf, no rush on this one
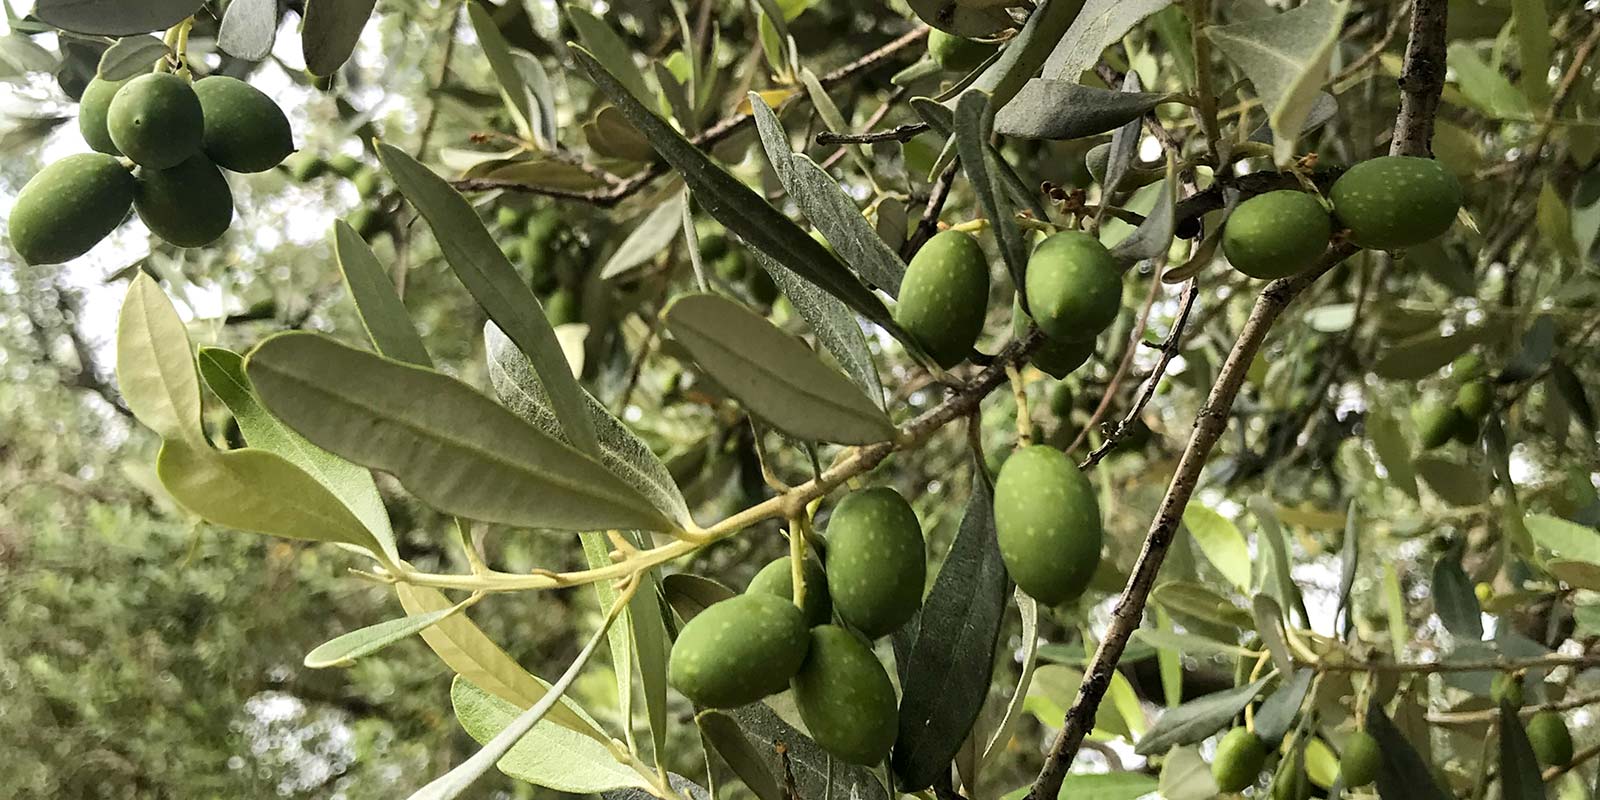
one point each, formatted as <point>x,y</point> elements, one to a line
<point>343,651</point>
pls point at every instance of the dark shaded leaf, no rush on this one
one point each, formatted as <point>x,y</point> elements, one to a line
<point>952,659</point>
<point>1520,775</point>
<point>1457,484</point>
<point>1454,600</point>
<point>1538,345</point>
<point>812,765</point>
<point>727,739</point>
<point>330,31</point>
<point>1279,711</point>
<point>114,17</point>
<point>1404,775</point>
<point>1050,109</point>
<point>691,594</point>
<point>1197,719</point>
<point>972,125</point>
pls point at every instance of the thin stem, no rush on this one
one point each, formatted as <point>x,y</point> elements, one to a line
<point>1019,391</point>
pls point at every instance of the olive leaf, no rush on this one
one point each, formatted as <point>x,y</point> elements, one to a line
<point>223,371</point>
<point>961,19</point>
<point>1458,484</point>
<point>342,651</point>
<point>1281,709</point>
<point>1286,58</point>
<point>1197,719</point>
<point>114,17</point>
<point>382,312</point>
<point>739,208</point>
<point>483,268</point>
<point>816,773</point>
<point>248,29</point>
<point>952,658</point>
<point>1221,542</point>
<point>1276,581</point>
<point>130,56</point>
<point>1100,24</point>
<point>1191,644</point>
<point>504,66</point>
<point>599,39</point>
<point>723,734</point>
<point>1027,52</point>
<point>453,447</point>
<point>774,374</point>
<point>330,30</point>
<point>1454,600</point>
<point>648,239</point>
<point>1185,775</point>
<point>1028,608</point>
<point>155,368</point>
<point>1569,540</point>
<point>1394,452</point>
<point>973,121</point>
<point>1404,774</point>
<point>691,594</point>
<point>1052,109</point>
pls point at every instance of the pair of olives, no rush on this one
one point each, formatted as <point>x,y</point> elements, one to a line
<point>759,643</point>
<point>1386,203</point>
<point>1241,754</point>
<point>1461,419</point>
<point>179,135</point>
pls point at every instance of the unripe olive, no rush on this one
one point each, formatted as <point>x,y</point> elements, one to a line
<point>1507,686</point>
<point>344,165</point>
<point>1552,742</point>
<point>1468,429</point>
<point>1475,399</point>
<point>93,106</point>
<point>69,207</point>
<point>1055,357</point>
<point>957,53</point>
<point>1467,367</point>
<point>1098,158</point>
<point>738,651</point>
<point>305,166</point>
<point>1361,759</point>
<point>1276,234</point>
<point>156,120</point>
<point>543,226</point>
<point>366,222</point>
<point>562,307</point>
<point>244,130</point>
<point>876,560</point>
<point>713,246</point>
<point>944,295</point>
<point>1061,400</point>
<point>777,579</point>
<point>368,183</point>
<point>1047,521</point>
<point>730,266</point>
<point>1239,758</point>
<point>762,287</point>
<point>1074,287</point>
<point>845,697</point>
<point>1396,201</point>
<point>188,205</point>
<point>1437,423</point>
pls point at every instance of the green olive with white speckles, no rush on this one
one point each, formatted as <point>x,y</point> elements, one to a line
<point>876,560</point>
<point>1047,521</point>
<point>943,297</point>
<point>1396,201</point>
<point>1073,285</point>
<point>739,650</point>
<point>777,579</point>
<point>1055,357</point>
<point>1276,234</point>
<point>845,697</point>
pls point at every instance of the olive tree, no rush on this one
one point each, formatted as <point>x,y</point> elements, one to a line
<point>1180,398</point>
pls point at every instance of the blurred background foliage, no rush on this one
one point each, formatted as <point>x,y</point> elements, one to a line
<point>144,655</point>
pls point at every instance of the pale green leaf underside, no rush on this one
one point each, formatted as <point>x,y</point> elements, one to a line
<point>624,453</point>
<point>1566,539</point>
<point>774,374</point>
<point>351,484</point>
<point>549,755</point>
<point>342,651</point>
<point>649,238</point>
<point>453,447</point>
<point>1221,542</point>
<point>382,313</point>
<point>1099,25</point>
<point>155,368</point>
<point>1286,57</point>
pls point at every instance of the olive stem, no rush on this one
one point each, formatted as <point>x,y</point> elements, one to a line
<point>798,529</point>
<point>1020,391</point>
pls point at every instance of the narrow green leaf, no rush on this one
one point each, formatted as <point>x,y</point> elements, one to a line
<point>504,66</point>
<point>621,451</point>
<point>1281,710</point>
<point>1458,484</point>
<point>611,51</point>
<point>1276,580</point>
<point>1269,626</point>
<point>1186,776</point>
<point>246,489</point>
<point>973,120</point>
<point>1191,644</point>
<point>1059,110</point>
<point>841,223</point>
<point>130,56</point>
<point>648,239</point>
<point>1197,719</point>
<point>1185,599</point>
<point>952,658</point>
<point>1027,52</point>
<point>1224,546</point>
<point>1483,86</point>
<point>114,17</point>
<point>1169,660</point>
<point>1454,600</point>
<point>1404,775</point>
<point>1566,539</point>
<point>725,736</point>
<point>155,368</point>
<point>471,654</point>
<point>342,651</point>
<point>248,29</point>
<point>1286,58</point>
<point>482,267</point>
<point>690,594</point>
<point>774,374</point>
<point>351,484</point>
<point>816,774</point>
<point>1520,775</point>
<point>1394,604</point>
<point>739,208</point>
<point>1097,786</point>
<point>1029,609</point>
<point>382,313</point>
<point>651,647</point>
<point>330,32</point>
<point>1531,20</point>
<point>454,448</point>
<point>968,20</point>
<point>1394,452</point>
<point>1100,24</point>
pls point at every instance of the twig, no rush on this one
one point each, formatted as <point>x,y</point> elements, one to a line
<point>1124,365</point>
<point>723,129</point>
<point>1210,422</point>
<point>899,133</point>
<point>1377,49</point>
<point>1491,714</point>
<point>1169,350</point>
<point>1582,756</point>
<point>930,216</point>
<point>1477,665</point>
<point>877,117</point>
<point>1421,79</point>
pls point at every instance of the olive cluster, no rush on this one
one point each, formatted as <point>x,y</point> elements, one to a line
<point>540,244</point>
<point>1385,203</point>
<point>162,143</point>
<point>1461,419</point>
<point>369,219</point>
<point>760,643</point>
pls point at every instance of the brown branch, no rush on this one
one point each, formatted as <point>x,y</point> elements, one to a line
<point>1492,714</point>
<point>1169,351</point>
<point>1209,425</point>
<point>724,128</point>
<point>1421,80</point>
<point>1124,364</point>
<point>930,215</point>
<point>899,133</point>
